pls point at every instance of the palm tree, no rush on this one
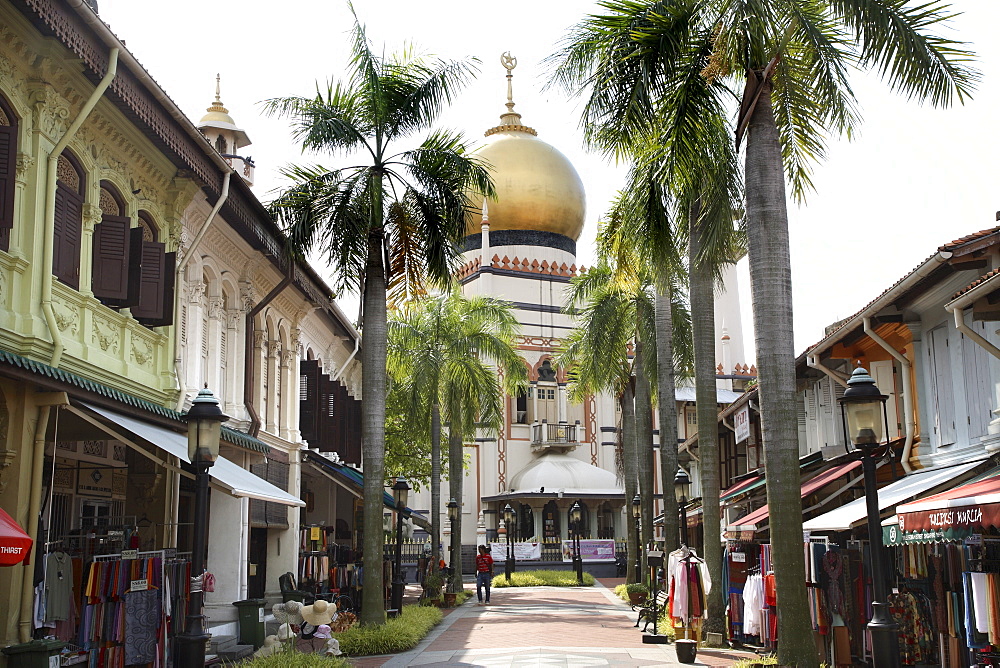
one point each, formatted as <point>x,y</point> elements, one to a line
<point>790,57</point>
<point>441,349</point>
<point>384,224</point>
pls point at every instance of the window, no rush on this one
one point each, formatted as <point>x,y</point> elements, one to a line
<point>220,144</point>
<point>68,226</point>
<point>8,156</point>
<point>116,248</point>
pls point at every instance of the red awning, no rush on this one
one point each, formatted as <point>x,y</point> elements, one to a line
<point>755,520</point>
<point>14,543</point>
<point>739,487</point>
<point>965,509</point>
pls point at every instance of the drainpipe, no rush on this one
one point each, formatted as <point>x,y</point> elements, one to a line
<point>250,355</point>
<point>44,402</point>
<point>909,420</point>
<point>177,281</point>
<point>813,362</point>
<point>50,206</point>
<point>357,345</point>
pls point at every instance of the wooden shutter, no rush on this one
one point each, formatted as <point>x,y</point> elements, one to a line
<point>309,400</point>
<point>67,233</point>
<point>154,306</point>
<point>277,513</point>
<point>8,154</point>
<point>111,260</point>
<point>327,415</point>
<point>353,431</point>
<point>944,394</point>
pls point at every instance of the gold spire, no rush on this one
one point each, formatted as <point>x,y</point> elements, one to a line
<point>511,120</point>
<point>217,105</point>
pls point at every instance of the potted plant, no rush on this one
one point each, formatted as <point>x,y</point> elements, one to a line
<point>433,582</point>
<point>637,592</point>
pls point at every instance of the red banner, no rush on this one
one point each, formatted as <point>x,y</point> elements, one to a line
<point>975,518</point>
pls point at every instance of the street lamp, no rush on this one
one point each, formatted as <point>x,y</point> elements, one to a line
<point>682,482</point>
<point>575,520</point>
<point>509,517</point>
<point>452,518</point>
<point>204,422</point>
<point>400,493</point>
<point>637,515</point>
<point>862,409</point>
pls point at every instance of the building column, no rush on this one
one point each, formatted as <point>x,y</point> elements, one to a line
<point>191,334</point>
<point>561,407</point>
<point>229,532</point>
<point>214,375</point>
<point>271,354</point>
<point>259,398</point>
<point>91,218</point>
<point>534,402</point>
<point>233,399</point>
<point>289,395</point>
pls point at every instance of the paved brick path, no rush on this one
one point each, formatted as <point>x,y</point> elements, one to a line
<point>542,626</point>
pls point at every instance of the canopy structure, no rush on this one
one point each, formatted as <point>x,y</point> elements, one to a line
<point>753,482</point>
<point>953,514</point>
<point>225,474</point>
<point>15,544</point>
<point>855,513</point>
<point>756,520</point>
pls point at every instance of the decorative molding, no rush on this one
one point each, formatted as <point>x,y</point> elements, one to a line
<point>288,358</point>
<point>51,110</point>
<point>233,318</point>
<point>259,336</point>
<point>216,308</point>
<point>67,315</point>
<point>106,334</point>
<point>248,294</point>
<point>23,162</point>
<point>194,292</point>
<point>142,350</point>
<point>274,349</point>
<point>91,216</point>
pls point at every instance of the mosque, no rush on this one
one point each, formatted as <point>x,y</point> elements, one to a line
<point>551,451</point>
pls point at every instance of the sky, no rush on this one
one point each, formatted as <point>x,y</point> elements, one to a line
<point>912,179</point>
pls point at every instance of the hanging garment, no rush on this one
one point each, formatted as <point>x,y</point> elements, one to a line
<point>58,587</point>
<point>142,619</point>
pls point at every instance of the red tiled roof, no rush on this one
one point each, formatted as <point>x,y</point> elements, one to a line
<point>978,281</point>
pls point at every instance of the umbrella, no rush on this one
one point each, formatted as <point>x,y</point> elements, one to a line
<point>14,543</point>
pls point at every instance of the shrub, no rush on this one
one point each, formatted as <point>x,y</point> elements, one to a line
<point>396,635</point>
<point>636,588</point>
<point>290,658</point>
<point>541,578</point>
<point>433,582</point>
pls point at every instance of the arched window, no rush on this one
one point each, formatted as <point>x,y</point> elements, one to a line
<point>68,228</point>
<point>220,144</point>
<point>525,522</point>
<point>550,521</point>
<point>154,306</point>
<point>8,157</point>
<point>114,247</point>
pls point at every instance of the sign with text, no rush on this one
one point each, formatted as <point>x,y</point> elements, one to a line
<point>742,422</point>
<point>522,551</point>
<point>590,550</point>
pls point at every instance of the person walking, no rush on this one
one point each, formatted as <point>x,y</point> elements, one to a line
<point>484,574</point>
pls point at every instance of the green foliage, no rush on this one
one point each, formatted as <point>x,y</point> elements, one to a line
<point>542,578</point>
<point>395,635</point>
<point>289,657</point>
<point>636,588</point>
<point>433,582</point>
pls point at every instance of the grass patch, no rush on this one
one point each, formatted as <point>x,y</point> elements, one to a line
<point>290,658</point>
<point>763,660</point>
<point>542,578</point>
<point>396,635</point>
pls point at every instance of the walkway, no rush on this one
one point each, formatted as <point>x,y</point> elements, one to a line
<point>542,626</point>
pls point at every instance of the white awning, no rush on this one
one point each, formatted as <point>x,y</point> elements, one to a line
<point>686,393</point>
<point>847,516</point>
<point>234,478</point>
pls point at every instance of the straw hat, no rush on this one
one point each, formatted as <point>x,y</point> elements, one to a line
<point>318,613</point>
<point>290,612</point>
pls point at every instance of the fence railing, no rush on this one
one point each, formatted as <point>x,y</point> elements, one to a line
<point>554,433</point>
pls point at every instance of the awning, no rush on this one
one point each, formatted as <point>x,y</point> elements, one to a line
<point>755,520</point>
<point>687,393</point>
<point>913,485</point>
<point>352,477</point>
<point>952,515</point>
<point>15,544</point>
<point>753,482</point>
<point>233,478</point>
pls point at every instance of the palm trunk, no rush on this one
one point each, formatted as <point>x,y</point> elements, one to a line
<point>435,486</point>
<point>706,401</point>
<point>644,443</point>
<point>455,480</point>
<point>629,467</point>
<point>771,283</point>
<point>667,413</point>
<point>373,356</point>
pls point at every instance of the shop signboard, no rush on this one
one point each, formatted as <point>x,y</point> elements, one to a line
<point>522,551</point>
<point>594,550</point>
<point>742,422</point>
<point>951,522</point>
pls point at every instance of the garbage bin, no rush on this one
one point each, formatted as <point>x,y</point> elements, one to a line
<point>251,615</point>
<point>34,654</point>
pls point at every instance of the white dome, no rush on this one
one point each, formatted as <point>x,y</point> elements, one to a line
<point>558,472</point>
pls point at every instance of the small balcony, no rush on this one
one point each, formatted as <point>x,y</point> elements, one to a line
<point>560,437</point>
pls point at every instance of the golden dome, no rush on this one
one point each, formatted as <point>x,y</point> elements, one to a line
<point>217,113</point>
<point>537,187</point>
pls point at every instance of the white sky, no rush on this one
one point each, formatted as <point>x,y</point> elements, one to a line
<point>913,179</point>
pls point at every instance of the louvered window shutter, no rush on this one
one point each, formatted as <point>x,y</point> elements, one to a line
<point>353,410</point>
<point>276,513</point>
<point>111,256</point>
<point>154,306</point>
<point>8,154</point>
<point>308,400</point>
<point>67,233</point>
<point>326,424</point>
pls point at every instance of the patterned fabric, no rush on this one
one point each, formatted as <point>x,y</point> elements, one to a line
<point>142,620</point>
<point>916,637</point>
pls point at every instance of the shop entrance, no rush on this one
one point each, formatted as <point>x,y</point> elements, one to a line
<point>257,568</point>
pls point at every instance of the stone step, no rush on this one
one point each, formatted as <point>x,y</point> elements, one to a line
<point>222,644</point>
<point>237,653</point>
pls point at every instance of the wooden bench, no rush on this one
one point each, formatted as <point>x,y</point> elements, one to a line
<point>646,608</point>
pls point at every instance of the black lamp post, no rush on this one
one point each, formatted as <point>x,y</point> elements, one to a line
<point>400,493</point>
<point>575,520</point>
<point>204,422</point>
<point>866,422</point>
<point>452,518</point>
<point>682,482</point>
<point>509,517</point>
<point>637,516</point>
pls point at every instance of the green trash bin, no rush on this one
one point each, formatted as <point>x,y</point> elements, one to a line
<point>251,614</point>
<point>34,654</point>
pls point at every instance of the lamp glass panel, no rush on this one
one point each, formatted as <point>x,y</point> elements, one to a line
<point>404,495</point>
<point>864,422</point>
<point>574,514</point>
<point>636,510</point>
<point>203,440</point>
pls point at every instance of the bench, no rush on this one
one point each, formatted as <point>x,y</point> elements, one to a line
<point>646,608</point>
